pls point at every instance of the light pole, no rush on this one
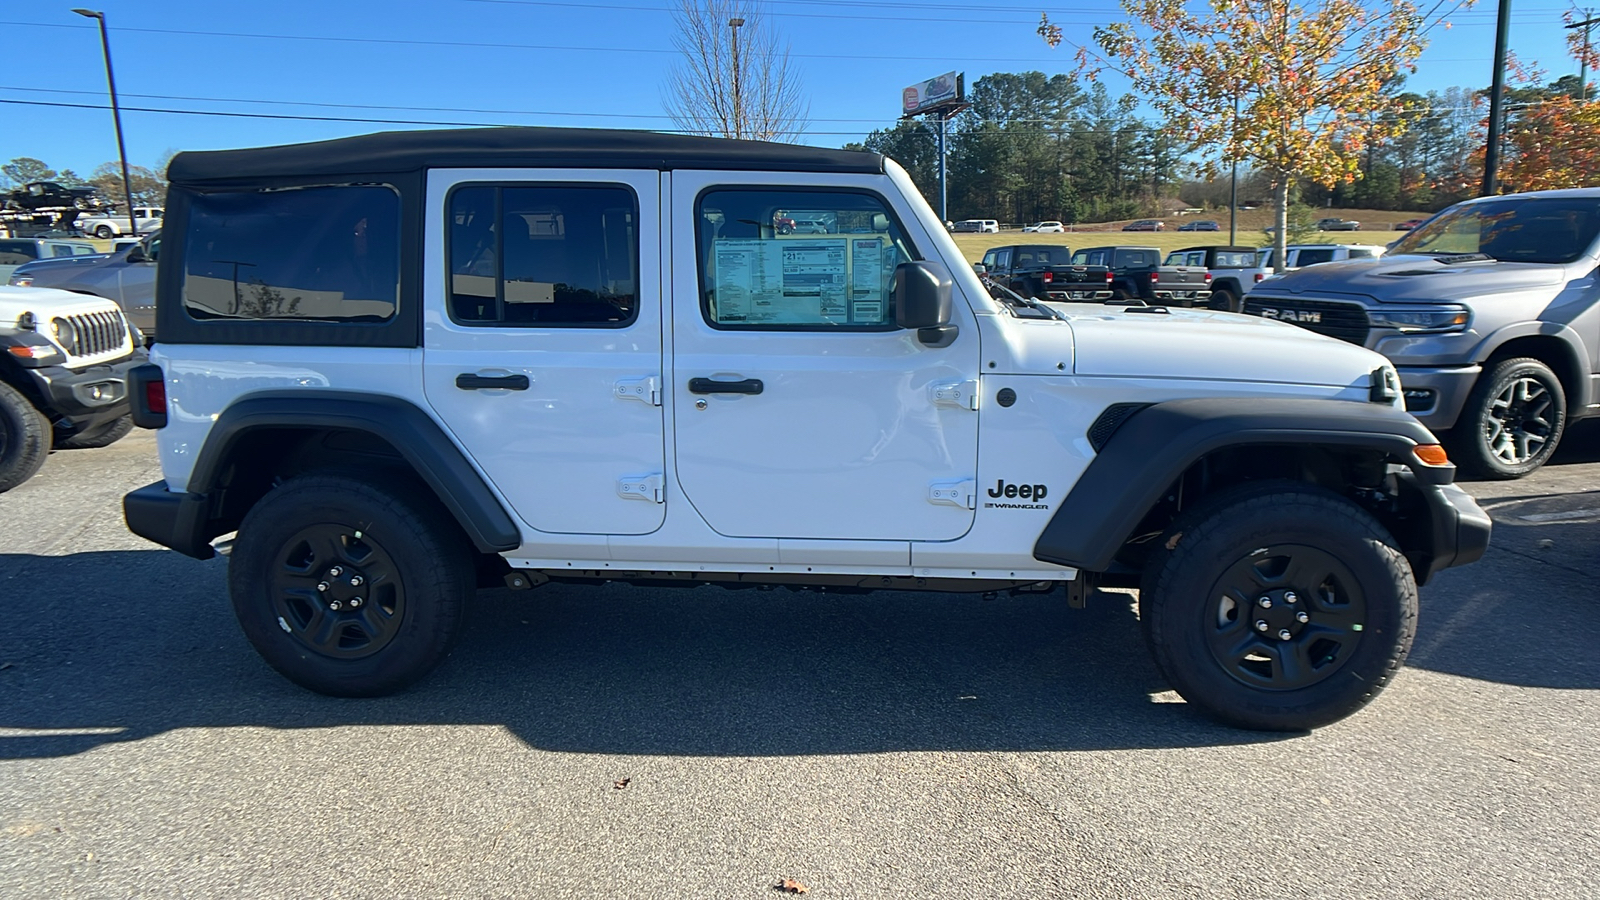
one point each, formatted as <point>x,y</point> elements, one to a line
<point>116,114</point>
<point>738,101</point>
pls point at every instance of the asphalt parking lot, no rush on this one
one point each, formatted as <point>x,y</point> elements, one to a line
<point>625,742</point>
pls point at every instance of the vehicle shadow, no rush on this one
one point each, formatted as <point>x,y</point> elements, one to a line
<point>117,646</point>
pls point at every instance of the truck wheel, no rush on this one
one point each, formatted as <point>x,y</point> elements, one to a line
<point>104,232</point>
<point>350,587</point>
<point>99,436</point>
<point>1512,421</point>
<point>1280,607</point>
<point>1225,300</point>
<point>24,438</point>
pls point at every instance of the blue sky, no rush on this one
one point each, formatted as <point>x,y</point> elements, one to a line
<point>530,62</point>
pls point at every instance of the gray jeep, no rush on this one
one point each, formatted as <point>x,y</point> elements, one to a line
<point>1489,312</point>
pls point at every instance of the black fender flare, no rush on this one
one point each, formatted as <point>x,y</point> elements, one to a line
<point>1155,445</point>
<point>181,520</point>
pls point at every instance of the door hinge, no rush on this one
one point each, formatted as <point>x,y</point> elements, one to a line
<point>642,487</point>
<point>960,394</point>
<point>645,390</point>
<point>954,493</point>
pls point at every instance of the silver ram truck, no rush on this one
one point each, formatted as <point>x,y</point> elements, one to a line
<point>1488,310</point>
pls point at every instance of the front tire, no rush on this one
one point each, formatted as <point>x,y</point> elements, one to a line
<point>1280,607</point>
<point>24,438</point>
<point>1512,421</point>
<point>350,587</point>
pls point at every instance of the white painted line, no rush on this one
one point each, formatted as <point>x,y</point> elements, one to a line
<point>56,732</point>
<point>1561,516</point>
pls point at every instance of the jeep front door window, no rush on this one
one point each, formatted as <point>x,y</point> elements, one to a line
<point>800,410</point>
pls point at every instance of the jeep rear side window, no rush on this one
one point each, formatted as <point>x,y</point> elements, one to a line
<point>760,270</point>
<point>329,254</point>
<point>544,255</point>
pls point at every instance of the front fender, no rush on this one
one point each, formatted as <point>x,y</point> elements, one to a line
<point>1156,445</point>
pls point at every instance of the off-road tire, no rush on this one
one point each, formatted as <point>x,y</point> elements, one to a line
<point>1194,598</point>
<point>24,438</point>
<point>104,232</point>
<point>103,435</point>
<point>1488,428</point>
<point>420,572</point>
<point>1224,300</point>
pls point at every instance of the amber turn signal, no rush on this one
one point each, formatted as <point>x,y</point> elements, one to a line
<point>32,351</point>
<point>1432,454</point>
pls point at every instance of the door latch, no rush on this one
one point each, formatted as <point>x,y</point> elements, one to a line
<point>963,494</point>
<point>645,390</point>
<point>959,394</point>
<point>642,487</point>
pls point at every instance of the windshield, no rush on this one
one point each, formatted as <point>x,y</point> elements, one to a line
<point>1513,229</point>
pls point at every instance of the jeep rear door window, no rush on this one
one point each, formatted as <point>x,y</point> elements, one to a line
<point>1511,229</point>
<point>326,254</point>
<point>759,271</point>
<point>544,255</point>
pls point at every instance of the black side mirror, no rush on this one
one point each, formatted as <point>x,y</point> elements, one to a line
<point>922,301</point>
<point>136,254</point>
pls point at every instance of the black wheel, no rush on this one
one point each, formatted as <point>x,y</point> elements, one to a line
<point>1226,301</point>
<point>1512,421</point>
<point>350,587</point>
<point>1280,607</point>
<point>24,438</point>
<point>104,232</point>
<point>99,436</point>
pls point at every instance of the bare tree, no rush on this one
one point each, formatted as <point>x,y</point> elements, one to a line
<point>735,79</point>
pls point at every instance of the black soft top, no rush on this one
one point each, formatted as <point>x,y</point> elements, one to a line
<point>586,148</point>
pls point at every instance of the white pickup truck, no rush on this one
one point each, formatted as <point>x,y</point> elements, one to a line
<point>527,355</point>
<point>109,225</point>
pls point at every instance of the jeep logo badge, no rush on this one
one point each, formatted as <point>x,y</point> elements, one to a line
<point>1292,315</point>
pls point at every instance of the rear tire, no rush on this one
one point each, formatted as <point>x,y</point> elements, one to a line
<point>104,232</point>
<point>1340,617</point>
<point>350,587</point>
<point>1224,300</point>
<point>1512,421</point>
<point>100,436</point>
<point>24,438</point>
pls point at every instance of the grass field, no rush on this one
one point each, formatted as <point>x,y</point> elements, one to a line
<point>1377,228</point>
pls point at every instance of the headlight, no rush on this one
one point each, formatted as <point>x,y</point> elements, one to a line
<point>65,334</point>
<point>1421,319</point>
<point>21,281</point>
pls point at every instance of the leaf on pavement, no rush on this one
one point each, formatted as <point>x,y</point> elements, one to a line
<point>790,886</point>
<point>621,783</point>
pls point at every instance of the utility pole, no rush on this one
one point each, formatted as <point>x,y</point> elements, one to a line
<point>1491,153</point>
<point>738,101</point>
<point>1583,58</point>
<point>1233,184</point>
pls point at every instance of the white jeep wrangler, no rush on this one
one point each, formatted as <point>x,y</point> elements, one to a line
<point>399,363</point>
<point>64,363</point>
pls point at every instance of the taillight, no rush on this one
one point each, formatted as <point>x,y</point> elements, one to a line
<point>1048,277</point>
<point>1260,276</point>
<point>1208,278</point>
<point>1108,276</point>
<point>1155,277</point>
<point>148,390</point>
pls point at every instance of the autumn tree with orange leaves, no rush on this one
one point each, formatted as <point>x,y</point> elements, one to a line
<point>1312,81</point>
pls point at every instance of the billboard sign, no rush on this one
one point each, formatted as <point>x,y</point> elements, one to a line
<point>934,94</point>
